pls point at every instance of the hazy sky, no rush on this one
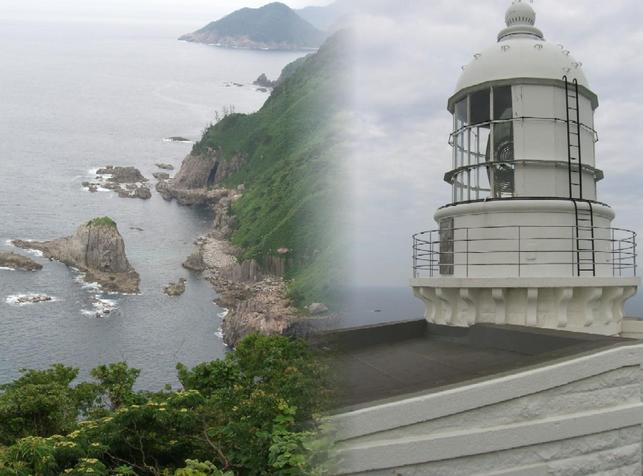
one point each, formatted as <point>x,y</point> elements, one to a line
<point>410,55</point>
<point>176,11</point>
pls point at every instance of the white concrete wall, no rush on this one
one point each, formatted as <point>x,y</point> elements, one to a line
<point>590,305</point>
<point>574,417</point>
<point>556,215</point>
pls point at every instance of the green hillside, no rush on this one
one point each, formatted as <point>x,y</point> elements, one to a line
<point>272,26</point>
<point>293,182</point>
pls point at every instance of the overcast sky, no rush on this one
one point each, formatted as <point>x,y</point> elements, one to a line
<point>409,57</point>
<point>175,11</point>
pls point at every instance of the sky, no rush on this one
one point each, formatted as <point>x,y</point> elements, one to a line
<point>192,12</point>
<point>408,58</point>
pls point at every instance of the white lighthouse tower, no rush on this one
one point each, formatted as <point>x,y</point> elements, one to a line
<point>525,239</point>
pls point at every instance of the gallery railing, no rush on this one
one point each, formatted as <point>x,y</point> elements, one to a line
<point>523,250</point>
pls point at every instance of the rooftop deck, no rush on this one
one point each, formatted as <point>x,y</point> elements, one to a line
<point>400,359</point>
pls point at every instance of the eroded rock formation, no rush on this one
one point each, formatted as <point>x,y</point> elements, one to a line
<point>98,250</point>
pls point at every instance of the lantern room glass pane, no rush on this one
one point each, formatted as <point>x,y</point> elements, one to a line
<point>460,142</point>
<point>503,144</point>
<point>480,107</point>
<point>502,106</point>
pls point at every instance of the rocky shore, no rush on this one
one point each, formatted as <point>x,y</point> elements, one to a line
<point>98,250</point>
<point>15,261</point>
<point>257,301</point>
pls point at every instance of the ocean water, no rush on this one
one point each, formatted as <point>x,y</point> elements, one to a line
<point>76,96</point>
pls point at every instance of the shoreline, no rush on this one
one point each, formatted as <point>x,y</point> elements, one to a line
<point>251,301</point>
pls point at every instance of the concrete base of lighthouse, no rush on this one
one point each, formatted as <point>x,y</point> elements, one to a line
<point>582,304</point>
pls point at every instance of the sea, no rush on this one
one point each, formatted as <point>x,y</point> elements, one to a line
<point>78,95</point>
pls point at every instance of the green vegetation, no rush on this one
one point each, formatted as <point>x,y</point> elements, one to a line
<point>251,413</point>
<point>102,221</point>
<point>292,149</point>
<point>274,23</point>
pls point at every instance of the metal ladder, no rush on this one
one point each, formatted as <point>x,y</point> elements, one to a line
<point>585,242</point>
<point>575,171</point>
<point>583,209</point>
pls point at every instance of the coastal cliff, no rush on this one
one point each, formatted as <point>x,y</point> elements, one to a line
<point>97,249</point>
<point>272,181</point>
<point>197,181</point>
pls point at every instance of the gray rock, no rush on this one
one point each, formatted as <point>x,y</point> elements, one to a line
<point>122,174</point>
<point>143,192</point>
<point>16,261</point>
<point>168,166</point>
<point>161,175</point>
<point>175,289</point>
<point>264,82</point>
<point>33,299</point>
<point>195,261</point>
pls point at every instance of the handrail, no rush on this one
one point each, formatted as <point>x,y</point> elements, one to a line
<point>516,247</point>
<point>520,118</point>
<point>598,173</point>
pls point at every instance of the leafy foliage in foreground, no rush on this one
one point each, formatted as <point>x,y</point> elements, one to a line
<point>251,413</point>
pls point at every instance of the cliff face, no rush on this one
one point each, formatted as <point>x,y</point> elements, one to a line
<point>197,181</point>
<point>96,248</point>
<point>292,173</point>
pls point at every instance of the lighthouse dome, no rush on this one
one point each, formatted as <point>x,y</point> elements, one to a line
<point>521,52</point>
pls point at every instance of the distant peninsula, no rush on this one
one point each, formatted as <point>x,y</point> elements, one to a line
<point>272,27</point>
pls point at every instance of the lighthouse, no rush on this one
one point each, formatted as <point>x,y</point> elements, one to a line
<point>525,239</point>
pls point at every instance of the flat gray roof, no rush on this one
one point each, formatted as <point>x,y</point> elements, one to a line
<point>394,360</point>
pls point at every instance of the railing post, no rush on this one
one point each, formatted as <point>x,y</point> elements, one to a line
<point>613,254</point>
<point>431,254</point>
<point>634,249</point>
<point>519,256</point>
<point>414,241</point>
<point>467,237</point>
<point>572,248</point>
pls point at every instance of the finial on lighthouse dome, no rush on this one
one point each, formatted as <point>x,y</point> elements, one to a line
<point>520,19</point>
<point>520,13</point>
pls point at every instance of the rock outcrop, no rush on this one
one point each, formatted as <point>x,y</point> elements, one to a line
<point>264,82</point>
<point>122,174</point>
<point>195,262</point>
<point>197,181</point>
<point>16,261</point>
<point>22,299</point>
<point>98,250</point>
<point>175,289</point>
<point>127,182</point>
